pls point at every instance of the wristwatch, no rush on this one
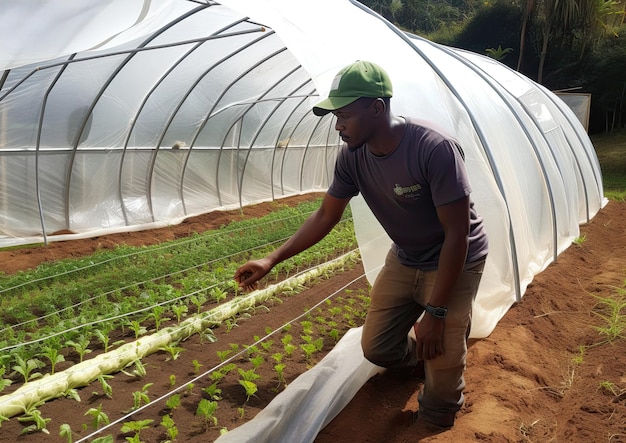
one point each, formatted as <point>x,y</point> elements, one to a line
<point>435,311</point>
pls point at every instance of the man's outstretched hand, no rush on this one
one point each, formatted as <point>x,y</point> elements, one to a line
<point>248,274</point>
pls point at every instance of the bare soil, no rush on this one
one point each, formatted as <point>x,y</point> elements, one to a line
<point>543,375</point>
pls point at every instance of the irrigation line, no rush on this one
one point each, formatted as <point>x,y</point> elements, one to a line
<point>130,353</point>
<point>213,369</point>
<point>157,248</point>
<point>104,320</point>
<point>137,284</point>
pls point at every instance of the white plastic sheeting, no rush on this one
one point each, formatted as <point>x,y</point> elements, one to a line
<point>121,115</point>
<point>186,107</point>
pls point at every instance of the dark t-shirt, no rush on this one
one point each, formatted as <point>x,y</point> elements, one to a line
<point>403,189</point>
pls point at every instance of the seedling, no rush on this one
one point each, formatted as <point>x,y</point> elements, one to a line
<point>218,294</point>
<point>4,382</point>
<point>65,431</point>
<point>257,361</point>
<point>54,356</point>
<point>106,387</point>
<point>213,391</point>
<point>137,328</point>
<point>140,397</point>
<point>170,428</point>
<point>608,387</point>
<point>173,349</point>
<point>136,427</point>
<point>250,388</point>
<point>180,310</point>
<point>247,381</point>
<point>196,366</point>
<point>98,417</point>
<point>139,369</point>
<point>206,409</point>
<point>72,394</point>
<point>279,368</point>
<point>26,368</point>
<point>39,422</point>
<point>173,402</point>
<point>158,313</point>
<point>80,345</point>
<point>307,327</point>
<point>198,300</point>
<point>223,355</point>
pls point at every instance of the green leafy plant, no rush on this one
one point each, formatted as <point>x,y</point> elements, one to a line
<point>499,53</point>
<point>136,327</point>
<point>141,397</point>
<point>247,381</point>
<point>206,410</point>
<point>136,427</point>
<point>173,402</point>
<point>39,423</point>
<point>170,427</point>
<point>4,382</point>
<point>53,355</point>
<point>27,368</point>
<point>213,392</point>
<point>179,309</point>
<point>173,349</point>
<point>158,315</point>
<point>80,345</point>
<point>65,431</point>
<point>98,417</point>
<point>106,387</point>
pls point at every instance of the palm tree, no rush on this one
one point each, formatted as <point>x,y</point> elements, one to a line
<point>559,20</point>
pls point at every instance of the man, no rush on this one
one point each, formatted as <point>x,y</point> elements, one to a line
<point>414,180</point>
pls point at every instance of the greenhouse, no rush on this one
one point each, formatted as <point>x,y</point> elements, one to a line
<point>136,115</point>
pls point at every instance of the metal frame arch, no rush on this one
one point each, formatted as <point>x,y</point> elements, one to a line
<point>129,56</point>
<point>287,119</point>
<point>42,112</point>
<point>174,113</point>
<point>479,132</point>
<point>210,113</point>
<point>142,105</point>
<point>505,98</point>
<point>199,129</point>
<point>262,125</point>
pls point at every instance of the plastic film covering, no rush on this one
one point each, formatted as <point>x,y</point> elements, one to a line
<point>176,108</point>
<point>206,110</point>
<point>196,107</point>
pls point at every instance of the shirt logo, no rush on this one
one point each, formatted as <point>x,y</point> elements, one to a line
<point>412,191</point>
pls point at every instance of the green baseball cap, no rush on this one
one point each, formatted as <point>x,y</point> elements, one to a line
<point>360,79</point>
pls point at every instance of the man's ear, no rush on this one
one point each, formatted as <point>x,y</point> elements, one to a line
<point>379,107</point>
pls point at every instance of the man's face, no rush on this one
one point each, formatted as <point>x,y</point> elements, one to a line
<point>355,122</point>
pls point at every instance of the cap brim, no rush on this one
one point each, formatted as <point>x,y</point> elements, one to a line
<point>332,104</point>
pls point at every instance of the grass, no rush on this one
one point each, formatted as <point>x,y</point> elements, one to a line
<point>611,152</point>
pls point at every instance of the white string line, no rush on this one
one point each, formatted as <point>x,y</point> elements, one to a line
<point>127,314</point>
<point>90,299</point>
<point>94,362</point>
<point>153,249</point>
<point>12,327</point>
<point>225,362</point>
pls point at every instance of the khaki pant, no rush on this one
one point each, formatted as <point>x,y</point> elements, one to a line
<point>397,300</point>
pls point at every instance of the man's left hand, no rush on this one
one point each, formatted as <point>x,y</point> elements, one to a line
<point>429,337</point>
